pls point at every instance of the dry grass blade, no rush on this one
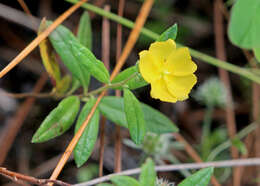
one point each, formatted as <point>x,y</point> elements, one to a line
<point>118,150</point>
<point>224,76</point>
<point>105,59</point>
<point>146,7</point>
<point>25,7</point>
<point>40,38</point>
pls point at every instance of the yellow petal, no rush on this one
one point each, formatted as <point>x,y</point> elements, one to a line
<point>180,86</point>
<point>162,50</point>
<point>179,63</point>
<point>148,69</point>
<point>160,91</point>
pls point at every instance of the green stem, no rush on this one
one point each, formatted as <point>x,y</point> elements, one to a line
<point>114,85</point>
<point>206,131</point>
<point>228,143</point>
<point>199,55</point>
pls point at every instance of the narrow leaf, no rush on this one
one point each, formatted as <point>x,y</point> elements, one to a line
<point>170,33</point>
<point>48,57</point>
<point>148,174</point>
<point>124,181</point>
<point>88,139</point>
<point>84,32</point>
<point>90,62</point>
<point>113,108</point>
<point>62,39</point>
<point>135,82</point>
<point>200,178</point>
<point>134,117</point>
<point>58,121</point>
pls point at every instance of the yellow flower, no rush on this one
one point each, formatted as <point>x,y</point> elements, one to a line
<point>169,70</point>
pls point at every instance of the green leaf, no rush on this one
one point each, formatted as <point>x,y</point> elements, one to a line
<point>135,82</point>
<point>134,117</point>
<point>239,145</point>
<point>124,181</point>
<point>87,173</point>
<point>62,39</point>
<point>257,53</point>
<point>84,32</point>
<point>58,121</point>
<point>148,174</point>
<point>244,26</point>
<point>200,178</point>
<point>88,139</point>
<point>48,57</point>
<point>90,62</point>
<point>113,108</point>
<point>170,33</point>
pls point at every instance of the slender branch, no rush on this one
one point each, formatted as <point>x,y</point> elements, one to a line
<point>220,148</point>
<point>199,55</point>
<point>105,59</point>
<point>25,7</point>
<point>163,168</point>
<point>53,93</point>
<point>224,76</point>
<point>118,143</point>
<point>142,16</point>
<point>30,94</point>
<point>21,178</point>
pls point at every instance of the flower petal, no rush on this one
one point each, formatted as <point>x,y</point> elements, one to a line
<point>149,70</point>
<point>180,86</point>
<point>162,50</point>
<point>179,63</point>
<point>160,91</point>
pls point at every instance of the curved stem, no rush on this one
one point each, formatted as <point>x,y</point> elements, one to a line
<point>228,143</point>
<point>199,55</point>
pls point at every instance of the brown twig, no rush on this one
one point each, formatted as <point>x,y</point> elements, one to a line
<point>12,128</point>
<point>224,76</point>
<point>30,94</point>
<point>105,59</point>
<point>22,179</point>
<point>145,9</point>
<point>118,144</point>
<point>40,38</point>
<point>25,7</point>
<point>193,154</point>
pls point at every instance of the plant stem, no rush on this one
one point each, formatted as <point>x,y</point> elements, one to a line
<point>206,131</point>
<point>199,55</point>
<point>243,133</point>
<point>114,85</point>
